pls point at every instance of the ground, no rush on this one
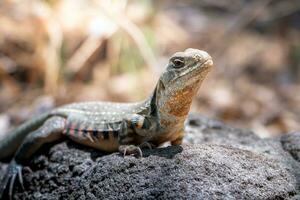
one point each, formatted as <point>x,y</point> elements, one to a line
<point>216,162</point>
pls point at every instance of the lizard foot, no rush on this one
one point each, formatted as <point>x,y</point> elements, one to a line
<point>13,171</point>
<point>131,150</point>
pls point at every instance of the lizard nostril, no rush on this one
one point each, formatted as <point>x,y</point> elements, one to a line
<point>198,58</point>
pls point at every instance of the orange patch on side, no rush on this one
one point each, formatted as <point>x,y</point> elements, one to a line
<point>166,123</point>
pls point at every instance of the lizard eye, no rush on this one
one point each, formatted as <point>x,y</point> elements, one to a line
<point>178,63</point>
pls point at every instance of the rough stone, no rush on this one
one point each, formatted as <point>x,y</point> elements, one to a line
<point>216,162</point>
<point>291,143</point>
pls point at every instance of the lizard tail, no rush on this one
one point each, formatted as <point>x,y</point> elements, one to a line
<point>10,143</point>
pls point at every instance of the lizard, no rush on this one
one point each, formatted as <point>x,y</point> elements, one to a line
<point>110,126</point>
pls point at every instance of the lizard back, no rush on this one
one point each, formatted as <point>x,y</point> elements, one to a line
<point>97,124</point>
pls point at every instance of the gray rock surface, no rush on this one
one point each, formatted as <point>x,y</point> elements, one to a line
<point>216,162</point>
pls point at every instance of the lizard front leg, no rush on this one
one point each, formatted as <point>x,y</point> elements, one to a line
<point>132,129</point>
<point>178,139</point>
<point>50,131</point>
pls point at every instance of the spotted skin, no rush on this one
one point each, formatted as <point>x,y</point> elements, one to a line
<point>110,127</point>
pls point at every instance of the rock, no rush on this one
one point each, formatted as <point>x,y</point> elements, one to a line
<point>284,149</point>
<point>216,162</point>
<point>291,144</point>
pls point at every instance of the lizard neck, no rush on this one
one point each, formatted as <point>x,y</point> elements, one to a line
<point>172,98</point>
<point>171,105</point>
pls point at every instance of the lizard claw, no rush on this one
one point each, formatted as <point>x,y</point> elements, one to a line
<point>26,168</point>
<point>19,168</point>
<point>13,170</point>
<point>131,150</point>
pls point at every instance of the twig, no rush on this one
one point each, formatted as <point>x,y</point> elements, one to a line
<point>83,53</point>
<point>135,33</point>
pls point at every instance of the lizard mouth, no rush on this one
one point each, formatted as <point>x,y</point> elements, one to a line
<point>208,63</point>
<point>195,70</point>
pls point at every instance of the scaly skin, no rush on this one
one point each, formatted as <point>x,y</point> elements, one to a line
<point>111,127</point>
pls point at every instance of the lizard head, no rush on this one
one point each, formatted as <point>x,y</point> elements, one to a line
<point>185,68</point>
<point>180,82</point>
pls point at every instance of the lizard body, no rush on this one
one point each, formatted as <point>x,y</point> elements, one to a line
<point>111,127</point>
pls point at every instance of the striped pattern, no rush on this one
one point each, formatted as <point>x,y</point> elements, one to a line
<point>82,131</point>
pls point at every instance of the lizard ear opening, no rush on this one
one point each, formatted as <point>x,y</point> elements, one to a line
<point>160,85</point>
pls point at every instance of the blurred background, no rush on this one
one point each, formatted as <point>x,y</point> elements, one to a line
<point>54,52</point>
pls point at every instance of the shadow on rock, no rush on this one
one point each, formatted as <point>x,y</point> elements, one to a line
<point>166,152</point>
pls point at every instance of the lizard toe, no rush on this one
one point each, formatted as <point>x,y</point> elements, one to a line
<point>13,171</point>
<point>131,150</point>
